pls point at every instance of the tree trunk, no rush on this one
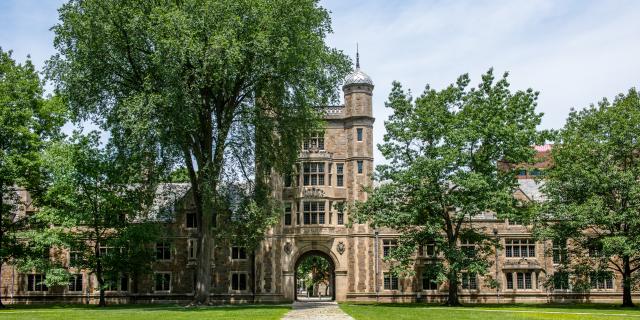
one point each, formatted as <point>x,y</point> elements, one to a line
<point>209,198</point>
<point>100,276</point>
<point>203,278</point>
<point>453,289</point>
<point>135,282</point>
<point>626,283</point>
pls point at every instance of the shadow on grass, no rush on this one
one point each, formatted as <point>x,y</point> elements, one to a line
<point>145,307</point>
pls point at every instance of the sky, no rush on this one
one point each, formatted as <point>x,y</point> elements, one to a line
<point>573,52</point>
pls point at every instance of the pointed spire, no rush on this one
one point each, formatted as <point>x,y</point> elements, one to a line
<point>357,57</point>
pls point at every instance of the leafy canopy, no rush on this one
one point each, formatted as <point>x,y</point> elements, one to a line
<point>225,88</point>
<point>593,191</point>
<point>96,207</point>
<point>28,121</point>
<point>444,151</point>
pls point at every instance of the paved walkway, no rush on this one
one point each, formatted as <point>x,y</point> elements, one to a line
<point>316,311</point>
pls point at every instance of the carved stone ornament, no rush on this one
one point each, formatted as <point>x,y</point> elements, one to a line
<point>287,248</point>
<point>313,193</point>
<point>340,247</point>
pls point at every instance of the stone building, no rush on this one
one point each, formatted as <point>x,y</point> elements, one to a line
<point>333,168</point>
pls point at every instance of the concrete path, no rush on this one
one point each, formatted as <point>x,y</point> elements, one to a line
<point>316,311</point>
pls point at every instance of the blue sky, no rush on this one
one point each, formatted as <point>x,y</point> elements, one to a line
<point>573,52</point>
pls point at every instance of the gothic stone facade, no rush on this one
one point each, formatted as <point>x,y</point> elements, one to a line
<point>332,170</point>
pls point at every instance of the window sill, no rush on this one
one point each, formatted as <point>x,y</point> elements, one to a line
<point>521,290</point>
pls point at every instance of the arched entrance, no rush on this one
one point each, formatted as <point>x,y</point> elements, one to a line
<point>314,277</point>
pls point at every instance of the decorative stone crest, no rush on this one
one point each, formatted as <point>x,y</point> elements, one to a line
<point>287,248</point>
<point>340,247</point>
<point>314,193</point>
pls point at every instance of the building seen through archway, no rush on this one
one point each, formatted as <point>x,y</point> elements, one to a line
<point>315,277</point>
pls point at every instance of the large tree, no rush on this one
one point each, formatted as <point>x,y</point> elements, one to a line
<point>99,209</point>
<point>226,86</point>
<point>443,151</point>
<point>27,121</point>
<point>593,191</point>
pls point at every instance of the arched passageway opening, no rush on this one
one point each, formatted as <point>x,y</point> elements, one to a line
<point>315,277</point>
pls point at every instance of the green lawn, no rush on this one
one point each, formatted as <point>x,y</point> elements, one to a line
<point>488,312</point>
<point>135,312</point>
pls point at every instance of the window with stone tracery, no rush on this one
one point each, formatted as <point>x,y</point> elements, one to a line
<point>520,248</point>
<point>340,174</point>
<point>313,212</point>
<point>316,142</point>
<point>313,174</point>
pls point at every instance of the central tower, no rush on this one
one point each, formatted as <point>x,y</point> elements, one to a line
<point>333,167</point>
<point>358,124</point>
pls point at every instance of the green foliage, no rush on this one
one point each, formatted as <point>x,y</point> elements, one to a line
<point>314,270</point>
<point>28,121</point>
<point>95,201</point>
<point>593,192</point>
<point>243,216</point>
<point>225,87</point>
<point>179,175</point>
<point>443,150</point>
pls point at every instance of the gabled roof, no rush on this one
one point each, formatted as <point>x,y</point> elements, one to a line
<point>166,198</point>
<point>531,189</point>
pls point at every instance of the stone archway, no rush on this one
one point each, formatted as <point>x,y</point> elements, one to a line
<point>332,271</point>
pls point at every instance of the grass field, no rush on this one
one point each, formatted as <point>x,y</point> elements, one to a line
<point>136,312</point>
<point>489,312</point>
<point>358,311</point>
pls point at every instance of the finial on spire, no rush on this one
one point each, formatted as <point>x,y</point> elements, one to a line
<point>357,57</point>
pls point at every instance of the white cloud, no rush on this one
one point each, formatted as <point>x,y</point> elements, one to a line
<point>574,53</point>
